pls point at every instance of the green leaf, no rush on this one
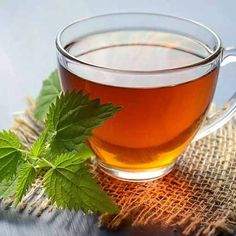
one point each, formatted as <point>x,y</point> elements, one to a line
<point>84,150</point>
<point>39,146</point>
<point>50,90</point>
<point>70,185</point>
<point>84,153</point>
<point>25,178</point>
<point>8,187</point>
<point>73,117</point>
<point>10,154</point>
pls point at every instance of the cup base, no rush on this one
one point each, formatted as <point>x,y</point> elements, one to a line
<point>135,176</point>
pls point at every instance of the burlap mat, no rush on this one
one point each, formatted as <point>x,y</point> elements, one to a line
<point>198,197</point>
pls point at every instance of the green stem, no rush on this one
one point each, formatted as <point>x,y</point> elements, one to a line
<point>49,163</point>
<point>29,158</point>
<point>24,151</point>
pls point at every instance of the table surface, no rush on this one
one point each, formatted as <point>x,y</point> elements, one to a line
<point>27,55</point>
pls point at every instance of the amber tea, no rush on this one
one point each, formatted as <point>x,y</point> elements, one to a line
<point>159,117</point>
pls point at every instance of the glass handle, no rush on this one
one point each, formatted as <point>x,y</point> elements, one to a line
<point>225,113</point>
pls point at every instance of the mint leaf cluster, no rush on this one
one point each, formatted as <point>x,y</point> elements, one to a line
<point>60,153</point>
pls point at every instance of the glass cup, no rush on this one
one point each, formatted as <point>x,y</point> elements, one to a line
<point>162,70</point>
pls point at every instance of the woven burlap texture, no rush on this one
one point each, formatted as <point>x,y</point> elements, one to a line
<point>198,196</point>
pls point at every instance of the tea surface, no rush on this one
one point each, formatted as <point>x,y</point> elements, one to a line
<point>156,123</point>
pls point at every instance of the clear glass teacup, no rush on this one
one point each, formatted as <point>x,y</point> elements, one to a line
<point>162,70</point>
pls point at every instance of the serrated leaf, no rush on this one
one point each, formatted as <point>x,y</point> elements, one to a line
<point>73,117</point>
<point>39,146</point>
<point>10,154</point>
<point>82,153</point>
<point>70,185</point>
<point>84,150</point>
<point>25,178</point>
<point>8,187</point>
<point>50,90</point>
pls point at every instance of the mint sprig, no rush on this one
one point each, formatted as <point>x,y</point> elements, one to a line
<point>60,153</point>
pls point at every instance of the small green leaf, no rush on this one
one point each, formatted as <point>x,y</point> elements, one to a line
<point>8,187</point>
<point>39,146</point>
<point>84,154</point>
<point>50,90</point>
<point>70,185</point>
<point>73,117</point>
<point>84,150</point>
<point>25,178</point>
<point>10,154</point>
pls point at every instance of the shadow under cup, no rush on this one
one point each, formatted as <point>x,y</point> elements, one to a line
<point>160,69</point>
